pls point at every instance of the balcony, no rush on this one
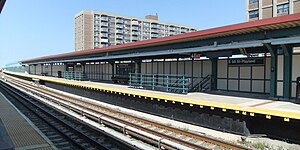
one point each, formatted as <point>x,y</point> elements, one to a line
<point>104,34</point>
<point>154,26</point>
<point>104,24</point>
<point>96,33</point>
<point>112,20</point>
<point>104,18</point>
<point>127,38</point>
<point>135,28</point>
<point>112,36</point>
<point>135,38</point>
<point>104,30</point>
<point>135,33</point>
<point>154,35</point>
<point>104,40</point>
<point>119,20</point>
<point>112,43</point>
<point>154,30</point>
<point>119,26</point>
<point>104,45</point>
<point>127,22</point>
<point>119,36</point>
<point>119,41</point>
<point>127,27</point>
<point>111,31</point>
<point>119,31</point>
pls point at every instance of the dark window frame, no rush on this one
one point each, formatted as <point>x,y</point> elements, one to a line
<point>283,8</point>
<point>253,14</point>
<point>253,1</point>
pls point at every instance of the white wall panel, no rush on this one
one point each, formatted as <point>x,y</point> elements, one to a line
<point>268,67</point>
<point>245,85</point>
<point>149,68</point>
<point>38,69</point>
<point>197,69</point>
<point>267,86</point>
<point>245,72</point>
<point>293,94</point>
<point>207,67</point>
<point>233,85</point>
<point>258,86</point>
<point>258,72</point>
<point>173,67</point>
<point>167,67</point>
<point>154,67</point>
<point>143,68</point>
<point>296,67</point>
<point>279,89</point>
<point>222,84</point>
<point>233,72</point>
<point>109,67</point>
<point>160,67</point>
<point>222,68</point>
<point>188,68</point>
<point>181,67</point>
<point>280,68</point>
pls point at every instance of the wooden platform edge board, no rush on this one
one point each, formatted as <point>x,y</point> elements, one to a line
<point>251,110</point>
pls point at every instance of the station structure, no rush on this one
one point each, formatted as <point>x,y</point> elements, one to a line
<point>201,77</point>
<point>252,57</point>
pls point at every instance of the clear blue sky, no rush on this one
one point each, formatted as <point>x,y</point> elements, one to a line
<point>33,28</point>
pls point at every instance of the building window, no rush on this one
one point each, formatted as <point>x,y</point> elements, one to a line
<point>284,8</point>
<point>253,1</point>
<point>253,14</point>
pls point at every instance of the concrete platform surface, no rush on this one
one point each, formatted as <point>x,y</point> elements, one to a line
<point>17,132</point>
<point>242,105</point>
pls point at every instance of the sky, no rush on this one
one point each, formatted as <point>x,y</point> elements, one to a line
<point>34,28</point>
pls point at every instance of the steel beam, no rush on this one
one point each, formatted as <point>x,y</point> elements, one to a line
<point>51,69</point>
<point>273,69</point>
<point>287,71</point>
<point>214,73</point>
<point>112,63</point>
<point>229,46</point>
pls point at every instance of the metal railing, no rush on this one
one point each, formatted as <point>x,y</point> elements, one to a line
<point>19,69</point>
<point>75,75</point>
<point>160,82</point>
<point>201,84</point>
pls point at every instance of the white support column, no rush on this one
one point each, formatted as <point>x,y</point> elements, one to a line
<point>260,9</point>
<point>274,8</point>
<point>291,11</point>
<point>247,10</point>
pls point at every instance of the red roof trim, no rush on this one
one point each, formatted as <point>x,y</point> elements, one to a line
<point>240,26</point>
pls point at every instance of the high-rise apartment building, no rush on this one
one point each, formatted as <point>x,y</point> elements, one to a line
<point>261,9</point>
<point>95,29</point>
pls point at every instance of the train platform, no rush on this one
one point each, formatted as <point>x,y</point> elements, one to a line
<point>251,107</point>
<point>17,132</point>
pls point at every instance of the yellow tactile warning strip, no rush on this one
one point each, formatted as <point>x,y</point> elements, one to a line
<point>251,111</point>
<point>22,134</point>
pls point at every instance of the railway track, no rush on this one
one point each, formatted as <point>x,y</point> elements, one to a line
<point>64,132</point>
<point>92,110</point>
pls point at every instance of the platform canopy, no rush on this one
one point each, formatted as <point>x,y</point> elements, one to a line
<point>2,2</point>
<point>247,35</point>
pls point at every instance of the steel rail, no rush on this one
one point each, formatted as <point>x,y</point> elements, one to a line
<point>83,136</point>
<point>95,107</point>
